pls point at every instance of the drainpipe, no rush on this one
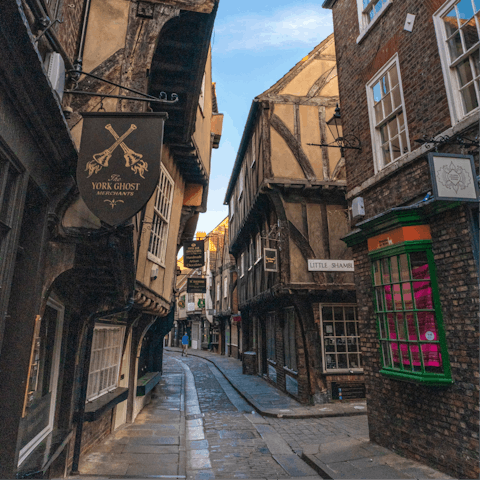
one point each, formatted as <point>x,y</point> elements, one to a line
<point>78,63</point>
<point>86,368</point>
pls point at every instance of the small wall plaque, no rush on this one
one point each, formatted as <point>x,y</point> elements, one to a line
<point>453,177</point>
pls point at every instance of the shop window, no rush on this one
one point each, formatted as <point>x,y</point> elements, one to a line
<point>457,26</point>
<point>161,218</point>
<point>289,339</point>
<point>271,336</point>
<point>107,346</point>
<point>408,314</point>
<point>340,336</point>
<point>386,108</point>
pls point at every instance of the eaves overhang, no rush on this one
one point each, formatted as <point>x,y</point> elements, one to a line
<point>178,66</point>
<point>328,3</point>
<point>397,217</point>
<point>241,149</point>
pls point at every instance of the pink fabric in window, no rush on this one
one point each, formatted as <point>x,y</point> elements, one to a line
<point>422,292</point>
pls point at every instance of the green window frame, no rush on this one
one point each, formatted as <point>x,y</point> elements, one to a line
<point>408,314</point>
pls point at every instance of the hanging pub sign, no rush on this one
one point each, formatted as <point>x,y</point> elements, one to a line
<point>193,254</point>
<point>453,177</point>
<point>270,260</point>
<point>119,162</point>
<point>196,285</point>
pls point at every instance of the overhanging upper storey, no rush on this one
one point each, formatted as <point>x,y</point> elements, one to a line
<point>178,67</point>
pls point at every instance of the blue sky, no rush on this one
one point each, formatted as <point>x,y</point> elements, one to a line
<point>255,43</point>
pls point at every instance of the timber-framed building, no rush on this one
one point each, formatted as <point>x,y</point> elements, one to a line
<point>287,206</point>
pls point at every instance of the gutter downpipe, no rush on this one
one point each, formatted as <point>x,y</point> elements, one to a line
<point>78,63</point>
<point>80,416</point>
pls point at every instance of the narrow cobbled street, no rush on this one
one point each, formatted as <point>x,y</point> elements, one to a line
<point>199,427</point>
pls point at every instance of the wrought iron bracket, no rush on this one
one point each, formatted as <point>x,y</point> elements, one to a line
<point>75,75</point>
<point>439,141</point>
<point>349,142</point>
<point>47,28</point>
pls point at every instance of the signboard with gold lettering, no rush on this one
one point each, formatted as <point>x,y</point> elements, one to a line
<point>193,254</point>
<point>270,259</point>
<point>196,285</point>
<point>119,162</point>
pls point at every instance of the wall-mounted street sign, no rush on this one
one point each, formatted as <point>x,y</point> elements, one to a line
<point>331,266</point>
<point>196,285</point>
<point>193,254</point>
<point>453,177</point>
<point>270,262</point>
<point>119,162</point>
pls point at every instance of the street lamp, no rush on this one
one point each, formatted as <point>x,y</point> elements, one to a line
<point>340,141</point>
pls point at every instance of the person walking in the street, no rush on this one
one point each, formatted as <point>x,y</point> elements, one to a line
<point>184,345</point>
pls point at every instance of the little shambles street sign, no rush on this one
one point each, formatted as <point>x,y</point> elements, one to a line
<point>331,266</point>
<point>119,162</point>
<point>193,254</point>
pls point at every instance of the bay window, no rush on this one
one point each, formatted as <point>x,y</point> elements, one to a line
<point>408,314</point>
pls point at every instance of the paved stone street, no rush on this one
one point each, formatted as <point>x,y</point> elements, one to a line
<point>199,427</point>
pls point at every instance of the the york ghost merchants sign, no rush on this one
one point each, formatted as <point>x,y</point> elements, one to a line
<point>119,162</point>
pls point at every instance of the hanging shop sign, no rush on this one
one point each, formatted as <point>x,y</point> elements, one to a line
<point>453,177</point>
<point>330,265</point>
<point>119,162</point>
<point>196,285</point>
<point>201,303</point>
<point>270,262</point>
<point>236,318</point>
<point>193,254</point>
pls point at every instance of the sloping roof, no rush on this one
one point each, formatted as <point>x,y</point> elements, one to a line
<point>296,69</point>
<point>275,88</point>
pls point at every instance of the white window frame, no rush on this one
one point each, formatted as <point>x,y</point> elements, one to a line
<point>364,21</point>
<point>250,256</point>
<point>258,248</point>
<point>240,184</point>
<point>452,85</point>
<point>242,265</point>
<point>225,287</point>
<point>374,127</point>
<point>232,207</point>
<point>218,292</point>
<point>254,153</point>
<point>162,210</point>
<point>325,336</point>
<point>105,357</point>
<point>201,99</point>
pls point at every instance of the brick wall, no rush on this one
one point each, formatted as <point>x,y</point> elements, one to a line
<point>423,84</point>
<point>95,432</point>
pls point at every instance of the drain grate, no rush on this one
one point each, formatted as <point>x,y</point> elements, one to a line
<point>194,416</point>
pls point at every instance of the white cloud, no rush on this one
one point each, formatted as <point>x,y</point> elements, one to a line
<point>285,28</point>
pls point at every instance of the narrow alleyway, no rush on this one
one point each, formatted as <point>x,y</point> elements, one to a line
<point>199,427</point>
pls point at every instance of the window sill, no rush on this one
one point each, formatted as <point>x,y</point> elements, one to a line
<point>146,383</point>
<point>155,259</point>
<point>271,362</point>
<point>373,23</point>
<point>289,370</point>
<point>432,380</point>
<point>94,410</point>
<point>257,261</point>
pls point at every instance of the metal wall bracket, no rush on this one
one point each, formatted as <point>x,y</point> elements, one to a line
<point>75,75</point>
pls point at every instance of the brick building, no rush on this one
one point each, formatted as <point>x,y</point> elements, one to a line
<point>409,90</point>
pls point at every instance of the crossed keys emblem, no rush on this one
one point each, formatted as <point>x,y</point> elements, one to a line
<point>133,160</point>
